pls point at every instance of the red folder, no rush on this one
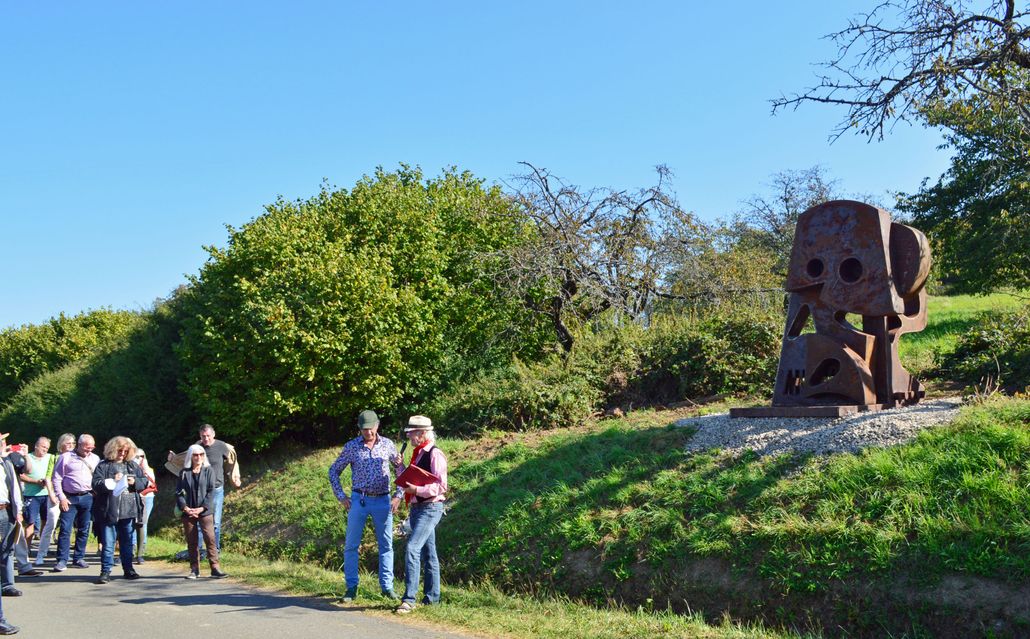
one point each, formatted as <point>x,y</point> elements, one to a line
<point>415,476</point>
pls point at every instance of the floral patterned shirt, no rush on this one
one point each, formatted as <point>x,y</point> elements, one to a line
<point>370,468</point>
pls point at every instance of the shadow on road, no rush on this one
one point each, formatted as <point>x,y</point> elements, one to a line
<point>246,601</point>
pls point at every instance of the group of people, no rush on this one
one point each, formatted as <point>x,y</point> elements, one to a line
<point>422,483</point>
<point>75,489</point>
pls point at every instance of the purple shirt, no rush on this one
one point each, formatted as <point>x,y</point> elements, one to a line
<point>73,474</point>
<point>370,468</point>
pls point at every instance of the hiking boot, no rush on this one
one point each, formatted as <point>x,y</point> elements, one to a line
<point>218,574</point>
<point>350,595</point>
<point>131,575</point>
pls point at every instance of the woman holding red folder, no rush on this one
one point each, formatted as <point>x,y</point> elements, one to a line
<point>425,487</point>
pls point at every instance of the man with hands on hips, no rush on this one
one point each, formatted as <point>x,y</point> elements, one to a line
<point>371,458</point>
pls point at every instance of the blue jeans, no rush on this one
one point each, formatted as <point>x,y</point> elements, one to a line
<point>421,553</point>
<point>378,508</point>
<point>79,515</point>
<point>123,529</point>
<point>139,537</point>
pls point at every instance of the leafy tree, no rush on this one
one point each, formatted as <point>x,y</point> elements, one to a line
<point>978,213</point>
<point>907,55</point>
<point>725,273</point>
<point>131,387</point>
<point>373,298</point>
<point>34,349</point>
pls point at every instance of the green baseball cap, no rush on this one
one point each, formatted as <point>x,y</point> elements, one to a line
<point>368,419</point>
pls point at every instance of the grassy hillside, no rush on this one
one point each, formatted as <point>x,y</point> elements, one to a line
<point>949,317</point>
<point>616,512</point>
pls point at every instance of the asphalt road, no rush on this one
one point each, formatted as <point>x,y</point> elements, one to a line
<point>163,605</point>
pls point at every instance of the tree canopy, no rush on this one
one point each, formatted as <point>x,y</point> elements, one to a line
<point>978,213</point>
<point>372,298</point>
<point>31,350</point>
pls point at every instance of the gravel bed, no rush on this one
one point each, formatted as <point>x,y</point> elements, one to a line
<point>819,435</point>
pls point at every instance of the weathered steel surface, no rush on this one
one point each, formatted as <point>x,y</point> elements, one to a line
<point>848,258</point>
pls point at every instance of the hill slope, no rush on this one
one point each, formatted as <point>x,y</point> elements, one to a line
<point>617,511</point>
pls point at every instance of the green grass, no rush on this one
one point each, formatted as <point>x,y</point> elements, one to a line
<point>617,512</point>
<point>948,318</point>
<point>953,500</point>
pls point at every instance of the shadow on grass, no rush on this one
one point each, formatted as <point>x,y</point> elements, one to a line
<point>621,497</point>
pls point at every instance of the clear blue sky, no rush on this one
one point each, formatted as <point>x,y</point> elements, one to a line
<point>132,133</point>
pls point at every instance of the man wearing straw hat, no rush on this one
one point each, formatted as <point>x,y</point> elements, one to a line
<point>426,495</point>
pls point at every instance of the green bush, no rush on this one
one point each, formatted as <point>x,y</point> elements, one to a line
<point>34,349</point>
<point>374,298</point>
<point>130,388</point>
<point>676,358</point>
<point>996,346</point>
<point>518,397</point>
<point>736,352</point>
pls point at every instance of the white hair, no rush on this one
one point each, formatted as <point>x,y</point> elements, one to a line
<point>194,449</point>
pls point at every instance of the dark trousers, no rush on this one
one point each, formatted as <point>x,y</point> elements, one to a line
<point>79,516</point>
<point>206,524</point>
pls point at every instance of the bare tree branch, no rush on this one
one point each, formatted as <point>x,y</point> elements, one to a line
<point>907,55</point>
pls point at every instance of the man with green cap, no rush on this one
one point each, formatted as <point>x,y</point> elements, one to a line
<point>371,458</point>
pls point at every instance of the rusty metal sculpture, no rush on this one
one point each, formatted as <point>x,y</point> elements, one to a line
<point>849,259</point>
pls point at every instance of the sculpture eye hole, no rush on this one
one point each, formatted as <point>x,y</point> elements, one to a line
<point>850,270</point>
<point>814,267</point>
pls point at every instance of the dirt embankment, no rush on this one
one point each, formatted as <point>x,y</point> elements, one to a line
<point>956,607</point>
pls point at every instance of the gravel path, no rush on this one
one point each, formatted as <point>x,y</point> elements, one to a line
<point>820,435</point>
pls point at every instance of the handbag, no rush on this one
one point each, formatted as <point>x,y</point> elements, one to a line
<point>138,523</point>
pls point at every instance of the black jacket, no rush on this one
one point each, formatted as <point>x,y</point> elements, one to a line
<point>202,485</point>
<point>105,505</point>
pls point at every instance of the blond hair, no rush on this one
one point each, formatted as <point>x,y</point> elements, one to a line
<point>116,444</point>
